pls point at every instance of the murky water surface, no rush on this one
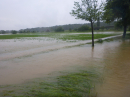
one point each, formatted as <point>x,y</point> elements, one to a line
<point>116,61</point>
<point>21,61</point>
<point>24,59</point>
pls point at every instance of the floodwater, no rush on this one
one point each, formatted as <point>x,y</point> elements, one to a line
<point>116,70</point>
<point>22,60</point>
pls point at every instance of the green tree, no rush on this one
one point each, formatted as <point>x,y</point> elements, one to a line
<point>128,28</point>
<point>118,10</point>
<point>20,31</point>
<point>118,26</point>
<point>76,29</point>
<point>47,30</point>
<point>88,10</point>
<point>84,28</point>
<point>102,27</point>
<point>59,29</point>
<point>98,23</point>
<point>70,29</point>
<point>3,32</point>
<point>14,32</point>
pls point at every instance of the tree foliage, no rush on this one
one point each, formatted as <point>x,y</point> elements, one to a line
<point>128,28</point>
<point>118,10</point>
<point>118,26</point>
<point>3,32</point>
<point>14,32</point>
<point>84,28</point>
<point>59,29</point>
<point>88,10</point>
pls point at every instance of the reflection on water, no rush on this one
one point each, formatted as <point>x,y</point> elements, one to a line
<point>116,81</point>
<point>92,51</point>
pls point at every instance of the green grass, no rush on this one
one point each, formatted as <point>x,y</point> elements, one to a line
<point>84,36</point>
<point>70,85</point>
<point>70,36</point>
<point>62,36</point>
<point>80,83</point>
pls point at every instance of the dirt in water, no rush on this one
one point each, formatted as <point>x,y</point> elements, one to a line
<point>116,60</point>
<point>113,58</point>
<point>27,59</point>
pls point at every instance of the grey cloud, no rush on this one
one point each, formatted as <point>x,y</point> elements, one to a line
<point>20,14</point>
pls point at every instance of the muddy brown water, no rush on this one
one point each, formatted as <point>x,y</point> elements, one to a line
<point>113,58</point>
<point>116,61</point>
<point>21,60</point>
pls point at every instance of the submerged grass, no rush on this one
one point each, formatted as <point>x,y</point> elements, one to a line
<point>73,84</point>
<point>62,36</point>
<point>12,36</point>
<point>84,36</point>
<point>70,85</point>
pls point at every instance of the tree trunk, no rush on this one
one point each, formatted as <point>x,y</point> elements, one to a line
<point>92,34</point>
<point>124,33</point>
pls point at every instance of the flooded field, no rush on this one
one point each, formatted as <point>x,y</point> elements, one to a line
<point>20,62</point>
<point>23,59</point>
<point>116,61</point>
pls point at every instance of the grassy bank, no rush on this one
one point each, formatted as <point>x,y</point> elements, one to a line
<point>84,36</point>
<point>62,36</point>
<point>73,84</point>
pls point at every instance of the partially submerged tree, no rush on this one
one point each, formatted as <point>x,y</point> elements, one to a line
<point>118,10</point>
<point>88,10</point>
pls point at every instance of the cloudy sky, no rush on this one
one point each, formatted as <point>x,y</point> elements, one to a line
<point>21,14</point>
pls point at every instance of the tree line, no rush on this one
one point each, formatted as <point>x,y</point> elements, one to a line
<point>61,28</point>
<point>112,10</point>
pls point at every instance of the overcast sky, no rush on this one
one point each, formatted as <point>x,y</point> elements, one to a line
<point>21,14</point>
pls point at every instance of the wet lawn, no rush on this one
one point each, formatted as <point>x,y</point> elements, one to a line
<point>73,84</point>
<point>61,36</point>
